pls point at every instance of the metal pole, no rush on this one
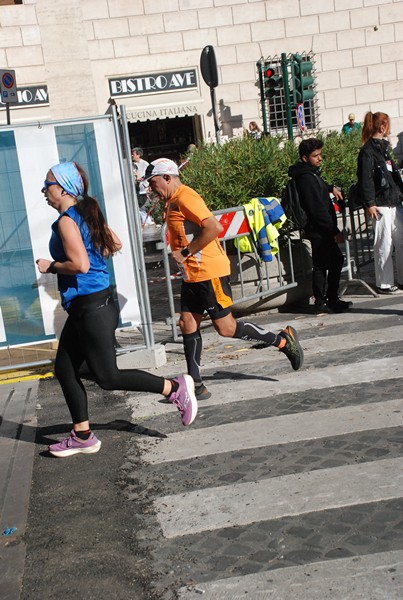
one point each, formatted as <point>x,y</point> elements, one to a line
<point>287,96</point>
<point>8,113</point>
<point>214,108</point>
<point>262,98</point>
<point>135,232</point>
<point>171,300</point>
<point>61,121</point>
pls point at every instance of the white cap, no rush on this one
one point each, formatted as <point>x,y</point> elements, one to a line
<point>161,166</point>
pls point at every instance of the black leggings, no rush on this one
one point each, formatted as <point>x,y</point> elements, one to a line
<point>89,335</point>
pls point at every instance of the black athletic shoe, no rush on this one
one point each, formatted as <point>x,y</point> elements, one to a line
<point>201,392</point>
<point>323,308</point>
<point>292,348</point>
<point>339,306</point>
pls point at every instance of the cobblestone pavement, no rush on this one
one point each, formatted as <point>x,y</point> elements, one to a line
<point>137,520</point>
<point>188,562</point>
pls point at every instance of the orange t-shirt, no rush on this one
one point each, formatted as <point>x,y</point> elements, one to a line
<point>185,213</point>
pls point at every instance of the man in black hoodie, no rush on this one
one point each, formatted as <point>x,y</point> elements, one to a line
<point>321,229</point>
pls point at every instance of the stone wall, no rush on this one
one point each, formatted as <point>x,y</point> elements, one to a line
<point>75,46</point>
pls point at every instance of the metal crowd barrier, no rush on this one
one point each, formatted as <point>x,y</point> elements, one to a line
<point>264,286</point>
<point>358,245</point>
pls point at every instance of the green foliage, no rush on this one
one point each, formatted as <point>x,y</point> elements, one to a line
<point>340,153</point>
<point>245,168</point>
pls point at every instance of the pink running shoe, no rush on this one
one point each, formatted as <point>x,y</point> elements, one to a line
<point>184,398</point>
<point>73,445</point>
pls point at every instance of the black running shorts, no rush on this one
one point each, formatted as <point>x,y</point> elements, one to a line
<point>213,296</point>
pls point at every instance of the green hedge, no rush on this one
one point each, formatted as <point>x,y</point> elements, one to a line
<point>244,168</point>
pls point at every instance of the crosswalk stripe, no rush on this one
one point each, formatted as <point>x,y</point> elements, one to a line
<point>271,431</point>
<point>343,341</point>
<point>353,373</point>
<point>311,491</point>
<point>305,324</point>
<point>287,383</point>
<point>371,577</point>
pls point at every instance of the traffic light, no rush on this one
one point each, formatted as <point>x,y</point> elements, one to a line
<point>272,82</point>
<point>302,79</point>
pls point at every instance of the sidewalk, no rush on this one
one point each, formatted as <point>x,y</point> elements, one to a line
<point>18,403</point>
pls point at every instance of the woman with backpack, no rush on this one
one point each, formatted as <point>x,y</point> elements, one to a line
<point>381,190</point>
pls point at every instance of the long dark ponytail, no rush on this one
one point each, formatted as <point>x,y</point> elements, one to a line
<point>88,208</point>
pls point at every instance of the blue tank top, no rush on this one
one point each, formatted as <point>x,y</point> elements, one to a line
<point>97,278</point>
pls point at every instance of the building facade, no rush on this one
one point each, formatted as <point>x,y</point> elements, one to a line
<point>74,58</point>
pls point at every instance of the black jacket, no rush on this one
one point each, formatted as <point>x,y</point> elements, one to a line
<point>315,200</point>
<point>378,185</point>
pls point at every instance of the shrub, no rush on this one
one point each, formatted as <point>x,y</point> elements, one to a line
<point>244,168</point>
<point>340,153</point>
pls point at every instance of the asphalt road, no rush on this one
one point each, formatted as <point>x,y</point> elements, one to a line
<point>289,485</point>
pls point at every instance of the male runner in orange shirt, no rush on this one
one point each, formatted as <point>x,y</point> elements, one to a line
<point>193,237</point>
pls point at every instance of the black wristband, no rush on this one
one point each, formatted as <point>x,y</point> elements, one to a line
<point>185,252</point>
<point>51,268</point>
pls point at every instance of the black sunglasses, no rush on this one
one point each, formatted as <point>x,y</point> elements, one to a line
<point>47,184</point>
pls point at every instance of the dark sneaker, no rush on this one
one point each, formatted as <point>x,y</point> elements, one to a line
<point>323,308</point>
<point>292,348</point>
<point>184,398</point>
<point>201,392</point>
<point>73,445</point>
<point>392,289</point>
<point>339,306</point>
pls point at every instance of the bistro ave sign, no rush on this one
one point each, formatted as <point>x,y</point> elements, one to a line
<point>157,82</point>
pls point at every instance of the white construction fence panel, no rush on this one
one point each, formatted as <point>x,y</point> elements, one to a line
<point>30,310</point>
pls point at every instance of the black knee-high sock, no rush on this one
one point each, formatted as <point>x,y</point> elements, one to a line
<point>192,344</point>
<point>252,333</point>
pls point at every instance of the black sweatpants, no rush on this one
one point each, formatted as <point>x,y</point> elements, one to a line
<point>89,335</point>
<point>327,263</point>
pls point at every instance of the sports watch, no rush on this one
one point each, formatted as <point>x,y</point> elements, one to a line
<point>185,252</point>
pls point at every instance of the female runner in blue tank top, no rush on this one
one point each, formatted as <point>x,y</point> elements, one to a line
<point>79,244</point>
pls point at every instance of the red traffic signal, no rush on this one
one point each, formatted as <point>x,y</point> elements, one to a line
<point>272,82</point>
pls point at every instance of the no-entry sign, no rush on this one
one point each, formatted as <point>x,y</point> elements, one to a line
<point>301,117</point>
<point>8,86</point>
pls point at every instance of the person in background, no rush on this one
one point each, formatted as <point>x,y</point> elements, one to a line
<point>381,189</point>
<point>79,244</point>
<point>351,125</point>
<point>254,130</point>
<point>193,237</point>
<point>139,168</point>
<point>321,229</point>
<point>191,149</point>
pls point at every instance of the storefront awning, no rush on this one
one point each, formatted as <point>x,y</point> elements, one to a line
<point>164,110</point>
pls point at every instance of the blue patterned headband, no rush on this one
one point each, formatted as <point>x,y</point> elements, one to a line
<point>68,177</point>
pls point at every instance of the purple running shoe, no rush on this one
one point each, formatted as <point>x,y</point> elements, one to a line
<point>73,445</point>
<point>184,398</point>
